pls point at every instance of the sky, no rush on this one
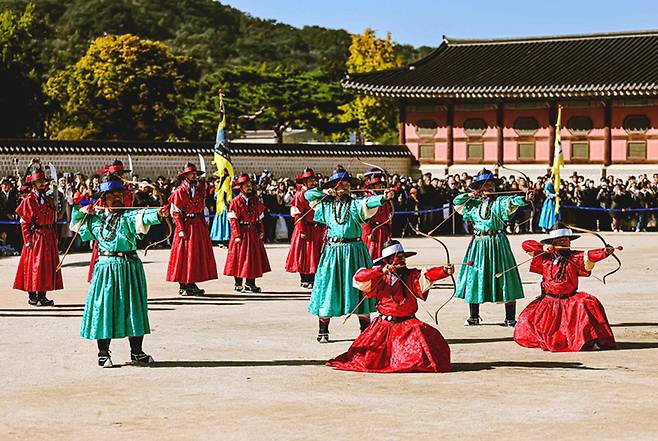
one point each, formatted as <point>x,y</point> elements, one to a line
<point>424,22</point>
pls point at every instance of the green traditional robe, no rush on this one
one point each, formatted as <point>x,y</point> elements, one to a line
<point>117,304</point>
<point>333,294</point>
<point>490,254</point>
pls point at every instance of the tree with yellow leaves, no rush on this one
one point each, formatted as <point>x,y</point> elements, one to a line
<point>124,87</point>
<point>375,117</point>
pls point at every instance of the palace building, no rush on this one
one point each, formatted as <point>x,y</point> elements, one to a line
<point>475,102</point>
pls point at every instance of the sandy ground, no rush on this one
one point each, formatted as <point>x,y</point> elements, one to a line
<point>248,367</point>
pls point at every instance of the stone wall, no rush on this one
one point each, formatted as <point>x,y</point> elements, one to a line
<point>155,165</point>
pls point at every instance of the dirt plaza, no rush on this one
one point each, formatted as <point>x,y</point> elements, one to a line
<point>247,366</point>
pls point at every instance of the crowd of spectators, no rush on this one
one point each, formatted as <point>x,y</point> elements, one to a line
<point>424,203</point>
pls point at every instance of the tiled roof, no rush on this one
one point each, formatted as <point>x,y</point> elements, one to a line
<point>41,147</point>
<point>619,64</point>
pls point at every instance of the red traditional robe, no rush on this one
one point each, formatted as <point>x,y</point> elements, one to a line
<point>192,259</point>
<point>386,346</point>
<point>377,231</point>
<point>36,268</point>
<point>563,319</point>
<point>304,253</point>
<point>247,258</point>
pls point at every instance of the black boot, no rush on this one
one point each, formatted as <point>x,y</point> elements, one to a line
<point>474,318</point>
<point>510,314</point>
<point>196,291</point>
<point>323,333</point>
<point>238,284</point>
<point>137,355</point>
<point>250,286</point>
<point>184,290</point>
<point>42,300</point>
<point>32,298</point>
<point>104,359</point>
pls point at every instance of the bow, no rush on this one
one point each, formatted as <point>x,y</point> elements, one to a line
<point>605,245</point>
<point>527,178</point>
<point>170,229</point>
<point>386,175</point>
<point>452,277</point>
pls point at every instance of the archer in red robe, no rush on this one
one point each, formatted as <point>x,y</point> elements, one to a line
<point>397,341</point>
<point>191,259</point>
<point>308,236</point>
<point>377,230</point>
<point>37,269</point>
<point>562,318</point>
<point>246,258</point>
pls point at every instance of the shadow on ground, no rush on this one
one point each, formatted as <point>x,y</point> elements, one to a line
<point>629,345</point>
<point>234,363</point>
<point>466,341</point>
<point>485,365</point>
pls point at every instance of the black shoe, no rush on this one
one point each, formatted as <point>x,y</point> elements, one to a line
<point>104,360</point>
<point>32,300</point>
<point>477,321</point>
<point>250,288</point>
<point>238,288</point>
<point>304,284</point>
<point>185,292</point>
<point>510,323</point>
<point>141,358</point>
<point>196,291</point>
<point>323,337</point>
<point>42,300</point>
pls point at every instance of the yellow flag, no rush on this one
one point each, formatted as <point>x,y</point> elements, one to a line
<point>558,161</point>
<point>222,160</point>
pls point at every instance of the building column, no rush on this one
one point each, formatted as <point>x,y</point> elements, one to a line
<point>552,121</point>
<point>403,123</point>
<point>500,124</point>
<point>607,136</point>
<point>450,140</point>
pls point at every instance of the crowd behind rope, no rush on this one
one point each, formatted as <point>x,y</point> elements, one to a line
<point>609,204</point>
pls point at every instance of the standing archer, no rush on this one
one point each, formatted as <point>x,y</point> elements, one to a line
<point>344,252</point>
<point>37,269</point>
<point>489,278</point>
<point>192,259</point>
<point>308,235</point>
<point>377,230</point>
<point>246,257</point>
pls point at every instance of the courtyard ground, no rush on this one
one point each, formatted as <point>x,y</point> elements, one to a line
<point>246,366</point>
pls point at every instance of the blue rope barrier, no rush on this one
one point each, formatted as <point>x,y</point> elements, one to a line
<point>437,210</point>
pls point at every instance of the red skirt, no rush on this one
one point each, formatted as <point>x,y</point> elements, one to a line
<point>192,259</point>
<point>564,324</point>
<point>36,268</point>
<point>304,254</point>
<point>92,262</point>
<point>375,241</point>
<point>410,346</point>
<point>247,258</point>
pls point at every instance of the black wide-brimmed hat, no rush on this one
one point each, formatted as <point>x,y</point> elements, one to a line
<point>237,184</point>
<point>391,248</point>
<point>308,173</point>
<point>111,183</point>
<point>340,175</point>
<point>36,174</point>
<point>483,177</point>
<point>558,231</point>
<point>189,167</point>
